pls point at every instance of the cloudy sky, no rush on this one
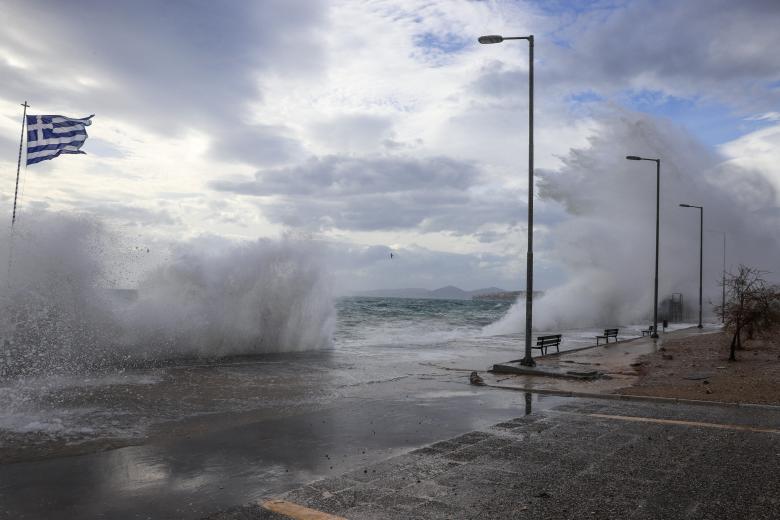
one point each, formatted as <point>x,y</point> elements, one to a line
<point>379,125</point>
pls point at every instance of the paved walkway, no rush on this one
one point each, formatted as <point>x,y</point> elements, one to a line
<point>583,459</point>
<point>587,458</point>
<point>617,363</point>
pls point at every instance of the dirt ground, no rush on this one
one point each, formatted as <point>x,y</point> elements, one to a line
<point>697,367</point>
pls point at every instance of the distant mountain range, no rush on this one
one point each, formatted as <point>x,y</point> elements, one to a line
<point>443,293</point>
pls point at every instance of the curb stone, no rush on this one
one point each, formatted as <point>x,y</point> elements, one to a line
<point>646,398</point>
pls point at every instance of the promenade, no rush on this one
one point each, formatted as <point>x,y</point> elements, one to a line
<point>600,453</point>
<point>618,366</point>
<point>583,459</point>
<point>402,434</point>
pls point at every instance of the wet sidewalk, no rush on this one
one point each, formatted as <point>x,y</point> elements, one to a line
<point>583,459</point>
<point>600,369</point>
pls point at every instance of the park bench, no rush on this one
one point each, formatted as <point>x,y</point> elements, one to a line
<point>543,342</point>
<point>647,332</point>
<point>608,333</point>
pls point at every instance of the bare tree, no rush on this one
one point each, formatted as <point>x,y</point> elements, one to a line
<point>751,305</point>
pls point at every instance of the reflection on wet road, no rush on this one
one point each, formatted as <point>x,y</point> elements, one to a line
<point>211,435</point>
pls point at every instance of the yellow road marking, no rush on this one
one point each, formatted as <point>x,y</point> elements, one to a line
<point>297,512</point>
<point>719,426</point>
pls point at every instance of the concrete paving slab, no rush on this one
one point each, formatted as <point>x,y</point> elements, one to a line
<point>580,465</point>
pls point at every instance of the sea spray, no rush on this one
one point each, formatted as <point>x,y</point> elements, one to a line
<point>51,316</point>
<point>607,246</point>
<point>220,298</point>
<point>209,297</point>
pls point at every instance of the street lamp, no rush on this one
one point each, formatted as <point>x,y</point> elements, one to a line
<point>529,264</point>
<point>723,281</point>
<point>701,248</point>
<point>657,219</point>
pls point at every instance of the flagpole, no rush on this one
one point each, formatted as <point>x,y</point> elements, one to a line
<point>19,162</point>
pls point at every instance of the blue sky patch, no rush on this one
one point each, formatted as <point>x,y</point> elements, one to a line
<point>447,43</point>
<point>712,123</point>
<point>553,7</point>
<point>585,96</point>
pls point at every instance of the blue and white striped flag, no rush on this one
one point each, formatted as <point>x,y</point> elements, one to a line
<point>49,136</point>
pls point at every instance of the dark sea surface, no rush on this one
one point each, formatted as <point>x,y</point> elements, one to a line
<point>364,321</point>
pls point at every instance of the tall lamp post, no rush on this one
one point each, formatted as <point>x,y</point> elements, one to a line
<point>657,220</point>
<point>701,248</point>
<point>529,266</point>
<point>723,280</point>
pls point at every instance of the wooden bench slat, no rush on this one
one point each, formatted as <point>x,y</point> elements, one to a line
<point>608,333</point>
<point>544,342</point>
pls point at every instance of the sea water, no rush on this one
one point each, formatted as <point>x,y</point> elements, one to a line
<point>367,321</point>
<point>374,340</point>
<point>214,326</point>
<point>370,322</point>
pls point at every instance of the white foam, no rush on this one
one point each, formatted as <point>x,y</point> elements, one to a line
<point>607,243</point>
<point>207,297</point>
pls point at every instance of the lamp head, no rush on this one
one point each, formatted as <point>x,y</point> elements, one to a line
<point>491,38</point>
<point>685,206</point>
<point>633,158</point>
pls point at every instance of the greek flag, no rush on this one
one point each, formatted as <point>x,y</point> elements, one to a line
<point>49,136</point>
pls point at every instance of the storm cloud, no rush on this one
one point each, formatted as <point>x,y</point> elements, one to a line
<point>348,193</point>
<point>385,122</point>
<point>702,50</point>
<point>165,66</point>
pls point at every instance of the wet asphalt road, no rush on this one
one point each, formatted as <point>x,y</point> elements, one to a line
<point>199,438</point>
<point>222,434</point>
<point>598,459</point>
<point>202,473</point>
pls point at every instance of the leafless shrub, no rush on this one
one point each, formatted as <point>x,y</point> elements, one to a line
<point>752,305</point>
